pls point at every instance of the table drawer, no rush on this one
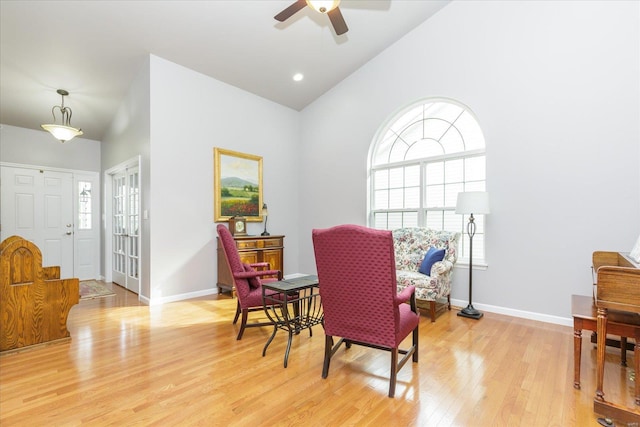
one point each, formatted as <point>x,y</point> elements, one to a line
<point>246,244</point>
<point>272,243</point>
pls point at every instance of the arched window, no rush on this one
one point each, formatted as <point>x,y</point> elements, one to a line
<point>419,162</point>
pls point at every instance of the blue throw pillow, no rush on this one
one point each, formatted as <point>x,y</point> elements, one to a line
<point>432,256</point>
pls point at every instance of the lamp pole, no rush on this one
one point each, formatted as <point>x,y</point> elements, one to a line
<point>469,310</point>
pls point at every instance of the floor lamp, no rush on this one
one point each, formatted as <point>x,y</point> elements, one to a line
<point>471,202</point>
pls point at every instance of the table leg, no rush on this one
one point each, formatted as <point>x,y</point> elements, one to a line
<point>636,364</point>
<point>275,329</point>
<point>577,353</point>
<point>286,353</point>
<point>601,349</point>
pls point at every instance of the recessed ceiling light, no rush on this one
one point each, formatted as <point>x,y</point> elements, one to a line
<point>298,77</point>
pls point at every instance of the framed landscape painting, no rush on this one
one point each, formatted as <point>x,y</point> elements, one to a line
<point>237,185</point>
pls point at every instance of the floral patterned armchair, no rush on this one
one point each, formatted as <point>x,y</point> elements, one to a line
<point>410,245</point>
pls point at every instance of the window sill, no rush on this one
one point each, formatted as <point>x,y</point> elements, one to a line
<point>476,266</point>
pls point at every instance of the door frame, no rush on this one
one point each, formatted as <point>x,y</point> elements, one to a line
<point>108,219</point>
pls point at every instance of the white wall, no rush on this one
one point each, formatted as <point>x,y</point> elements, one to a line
<point>190,115</point>
<point>127,138</point>
<point>39,148</point>
<point>555,87</point>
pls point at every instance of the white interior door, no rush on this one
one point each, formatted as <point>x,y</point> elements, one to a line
<point>125,222</point>
<point>38,206</point>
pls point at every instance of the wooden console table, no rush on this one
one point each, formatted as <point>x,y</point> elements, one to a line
<point>252,249</point>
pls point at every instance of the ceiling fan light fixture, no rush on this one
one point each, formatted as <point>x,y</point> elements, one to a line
<point>64,132</point>
<point>323,6</point>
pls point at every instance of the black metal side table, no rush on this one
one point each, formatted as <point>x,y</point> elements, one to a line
<point>293,305</point>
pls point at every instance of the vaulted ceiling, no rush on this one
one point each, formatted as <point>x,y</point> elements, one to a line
<point>94,49</point>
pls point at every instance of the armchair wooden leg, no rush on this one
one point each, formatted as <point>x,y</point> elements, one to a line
<point>245,315</point>
<point>235,319</point>
<point>415,345</point>
<point>328,346</point>
<point>432,310</point>
<point>449,302</point>
<point>394,372</point>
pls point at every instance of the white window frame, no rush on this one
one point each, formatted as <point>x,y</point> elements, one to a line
<point>422,209</point>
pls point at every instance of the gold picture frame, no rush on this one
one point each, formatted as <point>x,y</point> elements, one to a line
<point>236,176</point>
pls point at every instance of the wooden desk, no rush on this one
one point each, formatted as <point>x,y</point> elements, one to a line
<point>585,318</point>
<point>618,290</point>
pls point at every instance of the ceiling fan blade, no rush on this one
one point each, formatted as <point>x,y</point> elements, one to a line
<point>338,21</point>
<point>290,11</point>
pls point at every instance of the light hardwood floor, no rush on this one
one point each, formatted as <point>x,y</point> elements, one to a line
<point>180,364</point>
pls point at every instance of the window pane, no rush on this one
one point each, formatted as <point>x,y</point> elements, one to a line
<point>381,199</point>
<point>380,220</point>
<point>381,179</point>
<point>474,169</point>
<point>412,176</point>
<point>396,180</point>
<point>412,197</point>
<point>435,173</point>
<point>435,196</point>
<point>410,219</point>
<point>395,199</point>
<point>395,220</point>
<point>434,220</point>
<point>451,194</point>
<point>84,205</point>
<point>453,171</point>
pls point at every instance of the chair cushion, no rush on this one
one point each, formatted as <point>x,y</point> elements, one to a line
<point>432,256</point>
<point>254,282</point>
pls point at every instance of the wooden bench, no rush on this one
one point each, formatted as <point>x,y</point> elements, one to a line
<point>34,301</point>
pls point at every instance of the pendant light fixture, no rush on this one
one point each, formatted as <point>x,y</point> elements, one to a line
<point>63,132</point>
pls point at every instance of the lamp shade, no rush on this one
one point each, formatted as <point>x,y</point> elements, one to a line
<point>473,202</point>
<point>62,133</point>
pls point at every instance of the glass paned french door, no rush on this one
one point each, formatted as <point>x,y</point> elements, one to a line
<point>126,229</point>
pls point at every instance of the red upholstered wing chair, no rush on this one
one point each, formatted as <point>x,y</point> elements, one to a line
<point>247,281</point>
<point>350,258</point>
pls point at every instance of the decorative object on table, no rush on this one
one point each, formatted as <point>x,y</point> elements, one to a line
<point>321,6</point>
<point>238,226</point>
<point>471,202</point>
<point>350,258</point>
<point>237,185</point>
<point>249,295</point>
<point>63,132</point>
<point>90,289</point>
<point>265,214</point>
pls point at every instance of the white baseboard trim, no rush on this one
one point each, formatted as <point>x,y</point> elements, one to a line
<point>179,297</point>
<point>516,313</point>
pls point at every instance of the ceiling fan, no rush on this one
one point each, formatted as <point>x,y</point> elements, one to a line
<point>330,7</point>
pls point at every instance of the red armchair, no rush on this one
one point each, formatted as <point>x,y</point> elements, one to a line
<point>348,259</point>
<point>246,280</point>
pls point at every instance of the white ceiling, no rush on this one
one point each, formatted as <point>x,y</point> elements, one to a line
<point>94,49</point>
